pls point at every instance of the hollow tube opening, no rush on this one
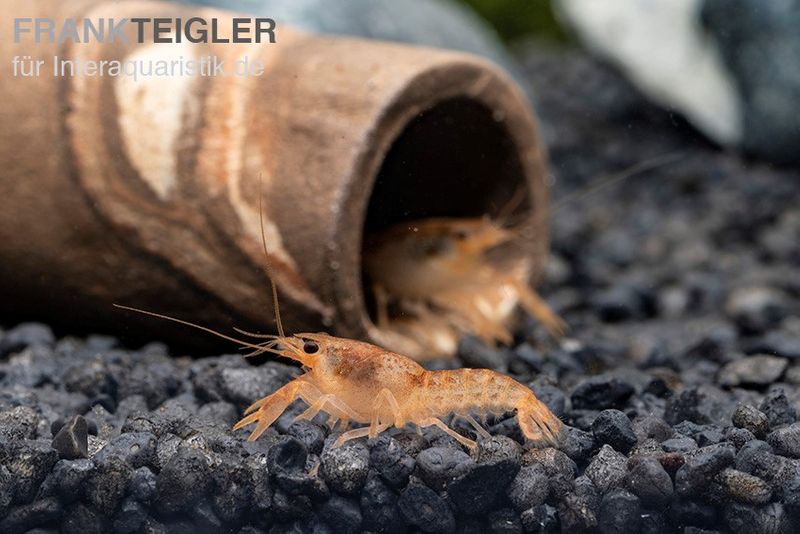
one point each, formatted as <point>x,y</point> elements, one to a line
<point>454,160</point>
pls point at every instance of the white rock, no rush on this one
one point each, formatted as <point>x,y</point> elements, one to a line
<point>662,48</point>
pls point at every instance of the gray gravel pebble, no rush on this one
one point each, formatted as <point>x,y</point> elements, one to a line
<point>751,419</point>
<point>608,469</point>
<point>345,468</point>
<point>72,440</point>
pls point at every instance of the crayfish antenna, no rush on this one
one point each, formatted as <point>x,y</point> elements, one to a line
<point>245,344</point>
<point>267,267</point>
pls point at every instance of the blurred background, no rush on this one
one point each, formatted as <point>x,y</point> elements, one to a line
<point>672,129</point>
<point>516,20</point>
<point>730,67</point>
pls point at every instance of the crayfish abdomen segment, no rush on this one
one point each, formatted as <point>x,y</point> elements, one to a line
<point>483,391</point>
<point>479,390</point>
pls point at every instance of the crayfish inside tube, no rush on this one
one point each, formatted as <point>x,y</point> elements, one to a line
<point>435,280</point>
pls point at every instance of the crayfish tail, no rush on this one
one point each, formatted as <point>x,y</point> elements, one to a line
<point>539,424</point>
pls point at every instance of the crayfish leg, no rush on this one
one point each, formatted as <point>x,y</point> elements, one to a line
<point>482,432</point>
<point>332,405</point>
<point>433,421</point>
<point>268,409</point>
<point>358,433</point>
<point>538,308</point>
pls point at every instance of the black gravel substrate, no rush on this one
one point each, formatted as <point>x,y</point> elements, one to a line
<point>680,377</point>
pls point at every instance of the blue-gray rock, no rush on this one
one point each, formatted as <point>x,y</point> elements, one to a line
<point>234,486</point>
<point>578,444</point>
<point>504,521</point>
<point>578,509</point>
<point>97,379</point>
<point>223,414</point>
<point>243,386</point>
<point>620,512</point>
<point>601,392</point>
<point>777,408</point>
<point>701,467</point>
<point>286,455</point>
<point>607,470</point>
<point>341,515</point>
<point>499,451</point>
<point>107,485</point>
<point>137,449</point>
<point>620,303</point>
<point>32,367</point>
<point>309,434</point>
<point>475,353</point>
<point>559,468</point>
<point>143,485</point>
<point>345,468</point>
<point>778,342</point>
<point>261,495</point>
<point>701,405</point>
<point>679,444</point>
<point>18,423</point>
<point>743,487</point>
<point>730,66</point>
<point>26,335</point>
<point>72,441</point>
<point>529,488</point>
<point>786,440</point>
<point>777,471</point>
<point>648,448</point>
<point>612,427</point>
<point>758,370</point>
<point>769,518</point>
<point>28,462</point>
<point>29,516</point>
<point>540,519</point>
<point>6,490</point>
<point>204,517</point>
<point>204,374</point>
<point>553,461</point>
<point>749,451</point>
<point>533,519</point>
<point>702,517</point>
<point>791,492</point>
<point>182,481</point>
<point>752,419</point>
<point>437,466</point>
<point>81,518</point>
<point>702,434</point>
<point>756,309</point>
<point>131,518</point>
<point>300,482</point>
<point>648,480</point>
<point>423,508</point>
<point>389,458</point>
<point>739,436</point>
<point>478,489</point>
<point>379,509</point>
<point>653,427</point>
<point>156,381</point>
<point>67,480</point>
<point>760,45</point>
<point>412,442</point>
<point>172,417</point>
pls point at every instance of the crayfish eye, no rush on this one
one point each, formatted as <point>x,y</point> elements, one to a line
<point>309,347</point>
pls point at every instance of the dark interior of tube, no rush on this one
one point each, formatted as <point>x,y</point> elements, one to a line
<point>454,160</point>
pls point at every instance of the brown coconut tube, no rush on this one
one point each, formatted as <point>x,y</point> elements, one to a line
<point>146,193</point>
